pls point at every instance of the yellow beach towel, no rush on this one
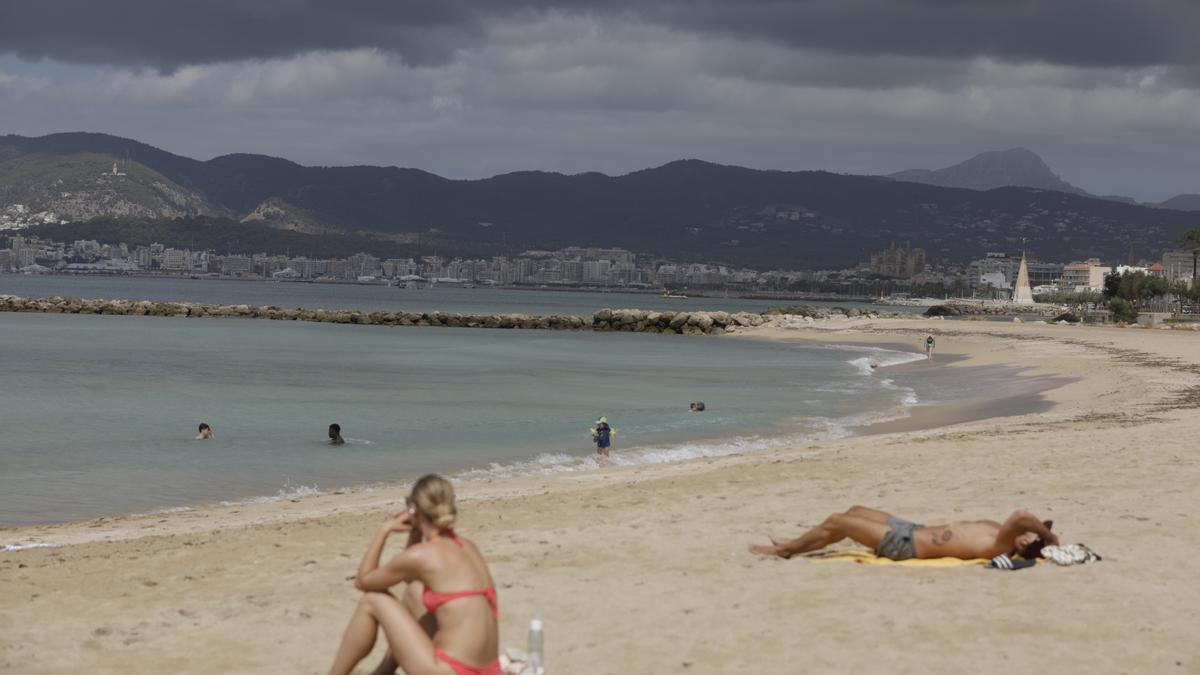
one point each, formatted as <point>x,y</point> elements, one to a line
<point>868,558</point>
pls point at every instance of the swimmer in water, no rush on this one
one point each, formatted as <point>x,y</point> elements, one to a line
<point>602,436</point>
<point>335,435</point>
<point>205,432</point>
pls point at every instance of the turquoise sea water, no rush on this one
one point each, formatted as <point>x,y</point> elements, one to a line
<point>98,413</point>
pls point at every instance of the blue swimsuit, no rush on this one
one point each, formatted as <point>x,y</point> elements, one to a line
<point>602,432</point>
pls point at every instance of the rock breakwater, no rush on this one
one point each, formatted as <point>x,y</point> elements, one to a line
<point>992,308</point>
<point>616,320</point>
<point>64,305</point>
<point>685,323</point>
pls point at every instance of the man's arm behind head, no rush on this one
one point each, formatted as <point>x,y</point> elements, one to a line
<point>1012,533</point>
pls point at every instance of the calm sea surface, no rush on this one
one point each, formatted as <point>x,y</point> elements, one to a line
<point>98,413</point>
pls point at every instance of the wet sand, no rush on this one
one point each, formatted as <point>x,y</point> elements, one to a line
<point>646,569</point>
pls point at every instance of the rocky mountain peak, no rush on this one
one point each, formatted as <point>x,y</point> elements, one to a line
<point>1018,167</point>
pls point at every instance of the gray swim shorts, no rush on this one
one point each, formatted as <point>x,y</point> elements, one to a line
<point>898,543</point>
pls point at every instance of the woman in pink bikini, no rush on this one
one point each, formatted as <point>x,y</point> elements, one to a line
<point>452,631</point>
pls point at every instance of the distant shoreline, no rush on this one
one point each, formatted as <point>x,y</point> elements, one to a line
<point>598,290</point>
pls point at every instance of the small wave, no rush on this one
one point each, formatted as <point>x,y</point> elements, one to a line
<point>22,547</point>
<point>908,397</point>
<point>158,512</point>
<point>287,492</point>
<point>865,364</point>
<point>819,429</point>
<point>359,441</point>
<point>882,358</point>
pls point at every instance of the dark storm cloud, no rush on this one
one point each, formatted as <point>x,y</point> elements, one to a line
<point>1070,32</point>
<point>172,33</point>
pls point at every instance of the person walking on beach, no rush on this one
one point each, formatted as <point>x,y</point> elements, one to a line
<point>453,631</point>
<point>205,432</point>
<point>895,538</point>
<point>602,435</point>
<point>335,435</point>
<point>929,343</point>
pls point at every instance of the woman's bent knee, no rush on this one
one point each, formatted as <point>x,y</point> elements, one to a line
<point>371,601</point>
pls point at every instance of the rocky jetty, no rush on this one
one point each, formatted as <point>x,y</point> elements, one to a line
<point>992,308</point>
<point>685,323</point>
<point>619,320</point>
<point>713,323</point>
<point>63,305</point>
<point>814,312</point>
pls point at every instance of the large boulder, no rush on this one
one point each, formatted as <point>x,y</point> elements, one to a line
<point>943,310</point>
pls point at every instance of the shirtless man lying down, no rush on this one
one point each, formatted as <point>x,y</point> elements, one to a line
<point>899,539</point>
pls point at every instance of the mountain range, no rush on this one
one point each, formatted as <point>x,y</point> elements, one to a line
<point>687,209</point>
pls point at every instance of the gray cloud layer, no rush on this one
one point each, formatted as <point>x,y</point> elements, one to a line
<point>1108,91</point>
<point>172,33</point>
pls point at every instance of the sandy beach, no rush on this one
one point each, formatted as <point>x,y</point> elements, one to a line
<point>646,569</point>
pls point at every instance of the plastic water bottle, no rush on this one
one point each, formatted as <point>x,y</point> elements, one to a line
<point>535,653</point>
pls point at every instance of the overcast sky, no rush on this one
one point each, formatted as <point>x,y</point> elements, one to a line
<point>1107,91</point>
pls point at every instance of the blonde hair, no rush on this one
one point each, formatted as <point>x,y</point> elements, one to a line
<point>433,497</point>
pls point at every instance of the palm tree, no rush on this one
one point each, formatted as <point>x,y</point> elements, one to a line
<point>1191,242</point>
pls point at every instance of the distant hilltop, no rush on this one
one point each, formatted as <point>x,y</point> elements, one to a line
<point>686,209</point>
<point>1188,202</point>
<point>1018,167</point>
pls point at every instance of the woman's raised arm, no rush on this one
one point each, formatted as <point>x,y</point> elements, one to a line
<point>373,577</point>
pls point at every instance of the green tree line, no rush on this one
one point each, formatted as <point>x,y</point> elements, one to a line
<point>1126,294</point>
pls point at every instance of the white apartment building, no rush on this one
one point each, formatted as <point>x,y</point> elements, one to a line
<point>595,271</point>
<point>1084,276</point>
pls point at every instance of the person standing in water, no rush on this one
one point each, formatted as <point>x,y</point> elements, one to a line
<point>929,343</point>
<point>602,435</point>
<point>205,432</point>
<point>335,435</point>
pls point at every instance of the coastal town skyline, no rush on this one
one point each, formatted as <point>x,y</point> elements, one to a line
<point>899,269</point>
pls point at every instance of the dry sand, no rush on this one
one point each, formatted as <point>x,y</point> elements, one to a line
<point>646,569</point>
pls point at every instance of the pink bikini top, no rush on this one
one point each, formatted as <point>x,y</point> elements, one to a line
<point>434,600</point>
